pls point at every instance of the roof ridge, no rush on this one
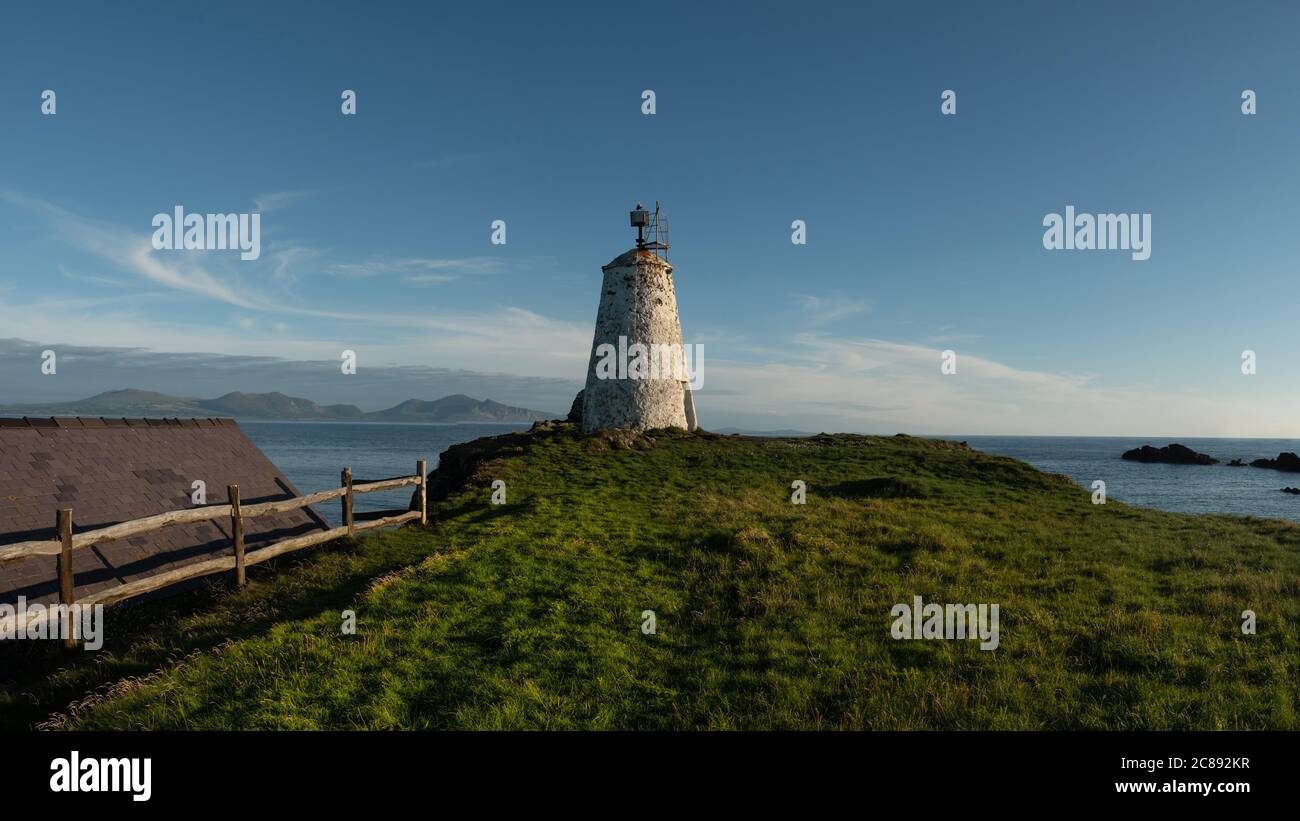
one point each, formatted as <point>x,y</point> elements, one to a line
<point>115,422</point>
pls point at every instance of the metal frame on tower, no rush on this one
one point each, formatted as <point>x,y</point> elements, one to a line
<point>651,230</point>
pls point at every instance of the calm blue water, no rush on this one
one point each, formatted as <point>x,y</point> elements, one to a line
<point>311,454</point>
<point>1244,491</point>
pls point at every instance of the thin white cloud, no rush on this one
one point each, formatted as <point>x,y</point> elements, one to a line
<point>139,256</point>
<point>449,268</point>
<point>277,200</point>
<point>130,251</point>
<point>824,383</point>
<point>825,310</point>
<point>502,340</point>
<point>289,261</point>
<point>947,336</point>
<point>181,270</point>
<point>91,279</point>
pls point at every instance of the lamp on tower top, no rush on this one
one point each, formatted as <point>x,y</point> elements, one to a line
<point>640,218</point>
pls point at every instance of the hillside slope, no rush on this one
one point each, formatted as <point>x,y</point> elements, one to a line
<point>768,614</point>
<point>276,405</point>
<point>456,408</point>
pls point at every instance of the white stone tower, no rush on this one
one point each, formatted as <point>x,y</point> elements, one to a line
<point>637,320</point>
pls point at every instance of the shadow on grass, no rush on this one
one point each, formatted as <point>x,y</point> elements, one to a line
<point>38,678</point>
<point>884,487</point>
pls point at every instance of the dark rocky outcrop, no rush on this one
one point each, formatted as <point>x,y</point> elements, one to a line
<point>1170,454</point>
<point>1284,461</point>
<point>575,410</point>
<point>1294,491</point>
<point>1236,463</point>
<point>474,464</point>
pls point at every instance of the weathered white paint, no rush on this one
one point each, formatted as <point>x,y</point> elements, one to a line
<point>638,302</point>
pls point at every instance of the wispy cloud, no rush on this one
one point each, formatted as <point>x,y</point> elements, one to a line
<point>288,262</point>
<point>821,382</point>
<point>485,338</point>
<point>91,279</point>
<point>277,200</point>
<point>825,310</point>
<point>130,251</point>
<point>417,267</point>
<point>946,335</point>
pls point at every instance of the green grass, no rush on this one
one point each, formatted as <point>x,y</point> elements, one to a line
<point>769,615</point>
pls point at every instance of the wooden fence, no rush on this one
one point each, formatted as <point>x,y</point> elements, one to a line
<point>62,547</point>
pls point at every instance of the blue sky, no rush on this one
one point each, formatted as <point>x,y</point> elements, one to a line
<point>924,231</point>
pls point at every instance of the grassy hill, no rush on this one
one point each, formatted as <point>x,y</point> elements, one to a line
<point>769,614</point>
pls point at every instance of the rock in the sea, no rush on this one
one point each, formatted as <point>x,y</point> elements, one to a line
<point>1236,463</point>
<point>1295,491</point>
<point>1284,461</point>
<point>1172,454</point>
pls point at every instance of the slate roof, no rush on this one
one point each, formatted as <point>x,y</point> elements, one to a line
<point>114,470</point>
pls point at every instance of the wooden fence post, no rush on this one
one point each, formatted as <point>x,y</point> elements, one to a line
<point>424,492</point>
<point>347,501</point>
<point>67,587</point>
<point>237,533</point>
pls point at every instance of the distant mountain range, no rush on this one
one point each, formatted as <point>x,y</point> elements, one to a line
<point>137,403</point>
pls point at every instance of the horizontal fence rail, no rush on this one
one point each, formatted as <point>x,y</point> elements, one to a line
<point>62,547</point>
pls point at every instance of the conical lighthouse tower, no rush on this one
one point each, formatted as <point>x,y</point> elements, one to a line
<point>637,377</point>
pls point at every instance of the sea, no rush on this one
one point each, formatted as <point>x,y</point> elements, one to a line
<point>312,455</point>
<point>1243,491</point>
